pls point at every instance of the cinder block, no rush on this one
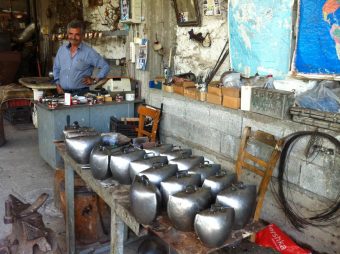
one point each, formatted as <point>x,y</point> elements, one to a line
<point>293,170</point>
<point>205,137</point>
<point>198,114</point>
<point>156,99</point>
<point>165,123</point>
<point>230,145</point>
<point>322,181</point>
<point>174,107</point>
<point>225,121</point>
<point>181,127</point>
<point>267,124</point>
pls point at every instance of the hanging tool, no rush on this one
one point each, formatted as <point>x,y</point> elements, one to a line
<point>223,56</point>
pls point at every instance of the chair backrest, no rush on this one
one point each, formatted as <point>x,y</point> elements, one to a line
<point>147,111</point>
<point>259,166</point>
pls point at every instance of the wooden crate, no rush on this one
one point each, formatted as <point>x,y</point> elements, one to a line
<point>214,99</point>
<point>231,102</point>
<point>191,92</point>
<point>180,86</point>
<point>215,88</point>
<point>231,92</point>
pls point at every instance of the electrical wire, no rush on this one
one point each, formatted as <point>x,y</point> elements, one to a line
<point>322,217</point>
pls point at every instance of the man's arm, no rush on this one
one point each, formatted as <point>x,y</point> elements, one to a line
<point>56,72</point>
<point>100,63</point>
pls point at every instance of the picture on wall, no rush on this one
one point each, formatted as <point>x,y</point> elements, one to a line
<point>318,40</point>
<point>124,9</point>
<point>211,7</point>
<point>260,33</point>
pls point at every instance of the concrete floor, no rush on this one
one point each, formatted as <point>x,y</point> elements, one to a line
<point>25,175</point>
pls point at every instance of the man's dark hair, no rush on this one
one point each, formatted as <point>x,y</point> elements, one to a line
<point>76,24</point>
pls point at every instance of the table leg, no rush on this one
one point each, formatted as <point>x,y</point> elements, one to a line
<point>69,192</point>
<point>117,234</point>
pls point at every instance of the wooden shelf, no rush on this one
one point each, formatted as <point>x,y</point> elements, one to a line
<point>115,33</point>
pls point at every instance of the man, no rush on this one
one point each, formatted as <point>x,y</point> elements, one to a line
<point>74,63</point>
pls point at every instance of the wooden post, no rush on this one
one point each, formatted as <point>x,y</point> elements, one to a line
<point>117,234</point>
<point>69,192</point>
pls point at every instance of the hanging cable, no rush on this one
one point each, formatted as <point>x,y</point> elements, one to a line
<point>322,217</point>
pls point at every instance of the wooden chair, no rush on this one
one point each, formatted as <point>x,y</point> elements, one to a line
<point>263,168</point>
<point>147,111</point>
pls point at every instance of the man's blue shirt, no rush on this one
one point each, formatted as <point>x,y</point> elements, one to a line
<point>69,71</point>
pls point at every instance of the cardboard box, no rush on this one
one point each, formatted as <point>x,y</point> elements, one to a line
<point>231,91</point>
<point>168,88</point>
<point>246,97</point>
<point>215,99</point>
<point>191,92</point>
<point>231,102</point>
<point>179,86</point>
<point>215,88</point>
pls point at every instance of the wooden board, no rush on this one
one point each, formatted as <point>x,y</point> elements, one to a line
<point>188,242</point>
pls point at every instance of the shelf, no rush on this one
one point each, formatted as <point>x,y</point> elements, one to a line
<point>115,33</point>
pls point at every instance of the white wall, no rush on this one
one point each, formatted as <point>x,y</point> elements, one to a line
<point>191,56</point>
<point>109,47</point>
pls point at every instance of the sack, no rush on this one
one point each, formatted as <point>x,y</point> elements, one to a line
<point>324,96</point>
<point>274,238</point>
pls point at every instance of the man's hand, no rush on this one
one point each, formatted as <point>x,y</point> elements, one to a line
<point>60,89</point>
<point>88,81</point>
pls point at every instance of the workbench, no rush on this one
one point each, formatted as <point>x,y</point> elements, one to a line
<point>53,121</point>
<point>117,197</point>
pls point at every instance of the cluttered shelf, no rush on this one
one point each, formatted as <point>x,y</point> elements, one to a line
<point>81,105</point>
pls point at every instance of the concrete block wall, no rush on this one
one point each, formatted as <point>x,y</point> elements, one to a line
<point>214,132</point>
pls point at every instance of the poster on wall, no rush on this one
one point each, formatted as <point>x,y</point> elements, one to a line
<point>318,42</point>
<point>142,55</point>
<point>124,10</point>
<point>211,7</point>
<point>260,33</point>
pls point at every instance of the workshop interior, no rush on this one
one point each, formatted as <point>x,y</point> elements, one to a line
<point>169,126</point>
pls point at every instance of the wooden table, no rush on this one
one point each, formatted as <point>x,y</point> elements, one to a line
<point>117,197</point>
<point>189,243</point>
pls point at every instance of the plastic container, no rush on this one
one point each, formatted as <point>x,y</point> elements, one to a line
<point>37,94</point>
